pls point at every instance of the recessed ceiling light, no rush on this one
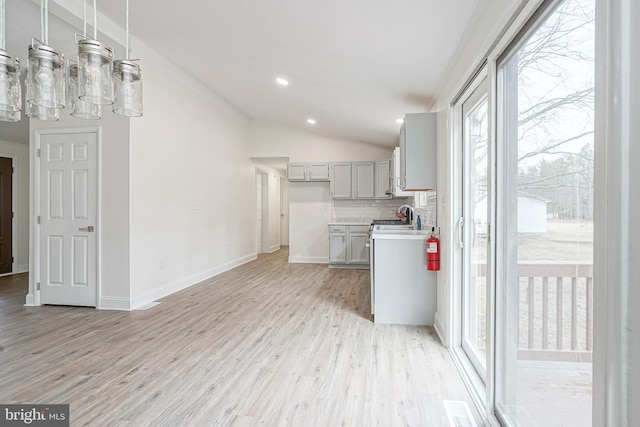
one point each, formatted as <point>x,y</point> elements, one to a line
<point>282,82</point>
<point>400,121</point>
<point>311,121</point>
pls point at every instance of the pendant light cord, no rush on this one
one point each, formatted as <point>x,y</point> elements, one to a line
<point>44,21</point>
<point>95,21</point>
<point>84,19</point>
<point>127,29</point>
<point>2,25</point>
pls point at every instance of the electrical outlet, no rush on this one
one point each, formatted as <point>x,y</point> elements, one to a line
<point>161,263</point>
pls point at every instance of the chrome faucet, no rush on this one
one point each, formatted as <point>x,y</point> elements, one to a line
<point>407,209</point>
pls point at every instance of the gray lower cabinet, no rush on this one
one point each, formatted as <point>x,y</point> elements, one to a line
<point>348,246</point>
<point>403,291</point>
<point>337,245</point>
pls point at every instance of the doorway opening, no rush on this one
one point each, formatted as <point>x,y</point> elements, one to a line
<point>6,216</point>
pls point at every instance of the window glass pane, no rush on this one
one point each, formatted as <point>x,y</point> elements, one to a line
<point>475,214</point>
<point>545,222</point>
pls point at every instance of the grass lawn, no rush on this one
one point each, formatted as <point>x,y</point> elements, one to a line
<point>564,241</point>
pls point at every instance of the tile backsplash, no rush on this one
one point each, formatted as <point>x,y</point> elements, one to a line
<point>428,214</point>
<point>368,209</point>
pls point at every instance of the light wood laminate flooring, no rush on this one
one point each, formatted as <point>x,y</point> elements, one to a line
<point>268,343</point>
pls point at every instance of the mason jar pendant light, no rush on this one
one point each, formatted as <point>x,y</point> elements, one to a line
<point>127,78</point>
<point>79,108</point>
<point>45,71</point>
<point>95,66</point>
<point>10,87</point>
<point>39,112</point>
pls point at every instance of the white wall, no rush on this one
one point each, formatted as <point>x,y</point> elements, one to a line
<point>309,217</point>
<point>271,140</point>
<point>192,186</point>
<point>114,191</point>
<point>20,154</point>
<point>114,202</point>
<point>488,21</point>
<point>273,210</point>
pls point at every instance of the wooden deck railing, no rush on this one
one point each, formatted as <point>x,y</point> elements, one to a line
<point>555,311</point>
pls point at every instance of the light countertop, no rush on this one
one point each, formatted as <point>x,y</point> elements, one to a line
<point>350,222</point>
<point>401,234</point>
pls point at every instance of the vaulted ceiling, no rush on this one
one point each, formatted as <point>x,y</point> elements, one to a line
<point>354,66</point>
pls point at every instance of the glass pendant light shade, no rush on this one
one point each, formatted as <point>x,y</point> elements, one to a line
<point>42,113</point>
<point>127,79</point>
<point>10,116</point>
<point>78,107</point>
<point>45,77</point>
<point>10,87</point>
<point>95,66</point>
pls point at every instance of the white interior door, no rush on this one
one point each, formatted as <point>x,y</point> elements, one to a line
<point>258,212</point>
<point>284,212</point>
<point>68,210</point>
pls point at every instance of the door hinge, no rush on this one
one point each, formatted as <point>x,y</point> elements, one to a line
<point>38,219</point>
<point>38,153</point>
<point>13,260</point>
<point>38,286</point>
<point>13,215</point>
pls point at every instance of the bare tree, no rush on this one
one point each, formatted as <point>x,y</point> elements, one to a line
<point>556,110</point>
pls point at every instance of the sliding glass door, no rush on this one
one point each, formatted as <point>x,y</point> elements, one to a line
<point>544,222</point>
<point>473,227</point>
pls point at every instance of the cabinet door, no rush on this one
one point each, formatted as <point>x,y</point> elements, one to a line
<point>297,171</point>
<point>363,180</point>
<point>383,179</point>
<point>341,180</point>
<point>319,171</point>
<point>403,158</point>
<point>419,153</point>
<point>358,250</point>
<point>396,184</point>
<point>337,248</point>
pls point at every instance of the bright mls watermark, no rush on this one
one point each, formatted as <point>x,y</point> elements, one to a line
<point>34,415</point>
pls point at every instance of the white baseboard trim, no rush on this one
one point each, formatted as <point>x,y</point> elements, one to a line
<point>181,284</point>
<point>439,327</point>
<point>30,300</point>
<point>114,303</point>
<point>308,260</point>
<point>273,248</point>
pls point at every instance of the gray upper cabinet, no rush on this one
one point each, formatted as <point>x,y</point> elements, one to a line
<point>418,152</point>
<point>297,171</point>
<point>396,180</point>
<point>308,171</point>
<point>383,179</point>
<point>363,180</point>
<point>340,180</point>
<point>319,171</point>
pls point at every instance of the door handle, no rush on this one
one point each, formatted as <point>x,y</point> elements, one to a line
<point>90,229</point>
<point>460,228</point>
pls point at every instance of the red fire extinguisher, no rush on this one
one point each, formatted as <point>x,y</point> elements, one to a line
<point>433,252</point>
